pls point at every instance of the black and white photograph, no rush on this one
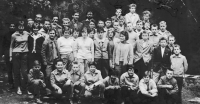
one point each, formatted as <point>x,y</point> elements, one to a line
<point>99,51</point>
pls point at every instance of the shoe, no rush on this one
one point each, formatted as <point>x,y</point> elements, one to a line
<point>19,92</point>
<point>71,101</point>
<point>29,93</point>
<point>38,101</point>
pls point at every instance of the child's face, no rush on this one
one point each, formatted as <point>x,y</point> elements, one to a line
<point>169,74</point>
<point>100,34</point>
<point>92,68</point>
<point>110,30</point>
<point>92,25</point>
<point>76,16</point>
<point>163,43</point>
<point>163,27</point>
<point>108,23</point>
<point>147,26</point>
<point>37,67</point>
<point>139,25</point>
<point>146,79</point>
<point>129,27</point>
<point>177,50</point>
<point>101,24</point>
<point>59,66</point>
<point>116,25</point>
<point>154,29</point>
<point>132,9</point>
<point>113,77</point>
<point>121,22</point>
<point>75,67</point>
<point>91,35</point>
<point>130,72</point>
<point>145,36</point>
<point>75,34</point>
<point>52,34</point>
<point>118,12</point>
<point>171,40</point>
<point>65,23</point>
<point>84,34</point>
<point>146,17</point>
<point>66,34</point>
<point>122,38</point>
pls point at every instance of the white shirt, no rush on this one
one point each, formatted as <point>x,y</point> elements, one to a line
<point>133,18</point>
<point>65,45</point>
<point>162,51</point>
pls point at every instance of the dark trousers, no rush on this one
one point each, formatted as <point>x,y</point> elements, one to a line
<point>141,67</point>
<point>9,67</point>
<point>36,88</point>
<point>103,66</point>
<point>147,100</point>
<point>165,98</point>
<point>120,68</point>
<point>128,95</point>
<point>32,57</point>
<point>180,85</point>
<point>20,69</point>
<point>112,95</point>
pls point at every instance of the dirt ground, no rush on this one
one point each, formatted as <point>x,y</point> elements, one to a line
<point>10,97</point>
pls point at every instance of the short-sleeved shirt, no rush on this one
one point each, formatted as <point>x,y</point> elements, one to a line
<point>128,80</point>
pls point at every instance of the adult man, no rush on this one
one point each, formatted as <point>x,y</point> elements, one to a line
<point>75,21</point>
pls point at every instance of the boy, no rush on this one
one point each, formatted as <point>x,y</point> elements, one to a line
<point>65,48</point>
<point>171,41</point>
<point>139,28</point>
<point>133,37</point>
<point>168,88</point>
<point>154,36</point>
<point>160,59</point>
<point>163,30</point>
<point>101,48</point>
<point>77,78</point>
<point>112,88</point>
<point>74,23</point>
<point>36,81</point>
<point>179,65</point>
<point>129,83</point>
<point>132,16</point>
<point>148,89</point>
<point>108,24</point>
<point>75,33</point>
<point>142,54</point>
<point>92,34</point>
<point>60,81</point>
<point>118,15</point>
<point>93,81</point>
<point>146,16</point>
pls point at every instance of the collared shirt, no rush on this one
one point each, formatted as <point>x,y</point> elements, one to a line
<point>59,78</point>
<point>127,80</point>
<point>179,64</point>
<point>165,81</point>
<point>133,37</point>
<point>76,76</point>
<point>65,45</point>
<point>107,82</point>
<point>150,86</point>
<point>19,42</point>
<point>84,48</point>
<point>165,34</point>
<point>35,43</point>
<point>132,17</point>
<point>91,78</point>
<point>34,74</point>
<point>154,38</point>
<point>101,48</point>
<point>162,51</point>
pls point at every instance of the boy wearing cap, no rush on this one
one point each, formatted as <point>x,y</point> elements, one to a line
<point>132,16</point>
<point>129,83</point>
<point>93,80</point>
<point>36,81</point>
<point>101,56</point>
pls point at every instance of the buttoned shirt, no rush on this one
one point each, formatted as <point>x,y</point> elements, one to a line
<point>149,86</point>
<point>132,17</point>
<point>34,75</point>
<point>101,48</point>
<point>162,51</point>
<point>76,76</point>
<point>59,78</point>
<point>179,64</point>
<point>107,82</point>
<point>165,81</point>
<point>90,78</point>
<point>126,80</point>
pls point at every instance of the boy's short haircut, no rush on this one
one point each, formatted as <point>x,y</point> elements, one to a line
<point>100,29</point>
<point>67,30</point>
<point>147,74</point>
<point>84,29</point>
<point>147,22</point>
<point>176,45</point>
<point>118,9</point>
<point>108,19</point>
<point>139,21</point>
<point>75,63</point>
<point>169,69</point>
<point>163,38</point>
<point>162,23</point>
<point>74,30</point>
<point>171,36</point>
<point>132,5</point>
<point>112,72</point>
<point>154,25</point>
<point>130,67</point>
<point>144,32</point>
<point>66,19</point>
<point>36,62</point>
<point>47,20</point>
<point>58,60</point>
<point>92,63</point>
<point>100,21</point>
<point>146,12</point>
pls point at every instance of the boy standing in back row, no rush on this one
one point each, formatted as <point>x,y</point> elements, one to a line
<point>179,65</point>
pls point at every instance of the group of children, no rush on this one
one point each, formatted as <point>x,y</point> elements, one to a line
<point>122,60</point>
